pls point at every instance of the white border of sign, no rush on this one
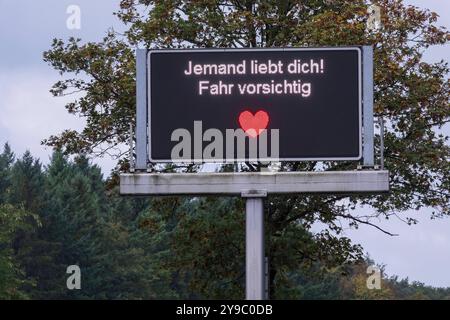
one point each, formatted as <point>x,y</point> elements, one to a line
<point>148,71</point>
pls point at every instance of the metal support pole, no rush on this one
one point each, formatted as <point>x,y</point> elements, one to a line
<point>381,120</point>
<point>368,156</point>
<point>255,258</point>
<point>131,149</point>
<point>141,109</point>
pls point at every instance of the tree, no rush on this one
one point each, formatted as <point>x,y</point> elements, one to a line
<point>410,94</point>
<point>12,275</point>
<point>88,224</point>
<point>26,187</point>
<point>6,161</point>
<point>34,251</point>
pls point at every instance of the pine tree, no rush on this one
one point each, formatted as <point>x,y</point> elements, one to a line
<point>33,249</point>
<point>12,276</point>
<point>89,226</point>
<point>6,161</point>
<point>27,185</point>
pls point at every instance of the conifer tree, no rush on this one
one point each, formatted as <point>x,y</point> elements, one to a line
<point>6,161</point>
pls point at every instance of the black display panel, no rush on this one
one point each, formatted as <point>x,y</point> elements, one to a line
<point>311,97</point>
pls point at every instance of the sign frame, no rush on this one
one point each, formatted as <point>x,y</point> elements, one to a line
<point>359,50</point>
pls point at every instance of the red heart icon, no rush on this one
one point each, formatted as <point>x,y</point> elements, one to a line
<point>253,125</point>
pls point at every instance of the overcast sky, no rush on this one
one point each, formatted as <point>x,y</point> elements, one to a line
<point>28,114</point>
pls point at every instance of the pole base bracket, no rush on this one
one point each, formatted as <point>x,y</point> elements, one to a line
<point>254,194</point>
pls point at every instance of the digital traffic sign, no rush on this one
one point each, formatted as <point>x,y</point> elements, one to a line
<point>217,105</point>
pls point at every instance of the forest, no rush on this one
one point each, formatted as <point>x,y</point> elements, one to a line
<point>66,213</point>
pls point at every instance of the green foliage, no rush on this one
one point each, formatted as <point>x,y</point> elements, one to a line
<point>26,187</point>
<point>6,160</point>
<point>206,245</point>
<point>12,277</point>
<point>78,225</point>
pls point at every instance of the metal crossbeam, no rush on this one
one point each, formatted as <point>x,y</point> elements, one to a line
<point>229,184</point>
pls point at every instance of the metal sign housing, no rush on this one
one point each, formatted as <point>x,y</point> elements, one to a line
<point>317,109</point>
